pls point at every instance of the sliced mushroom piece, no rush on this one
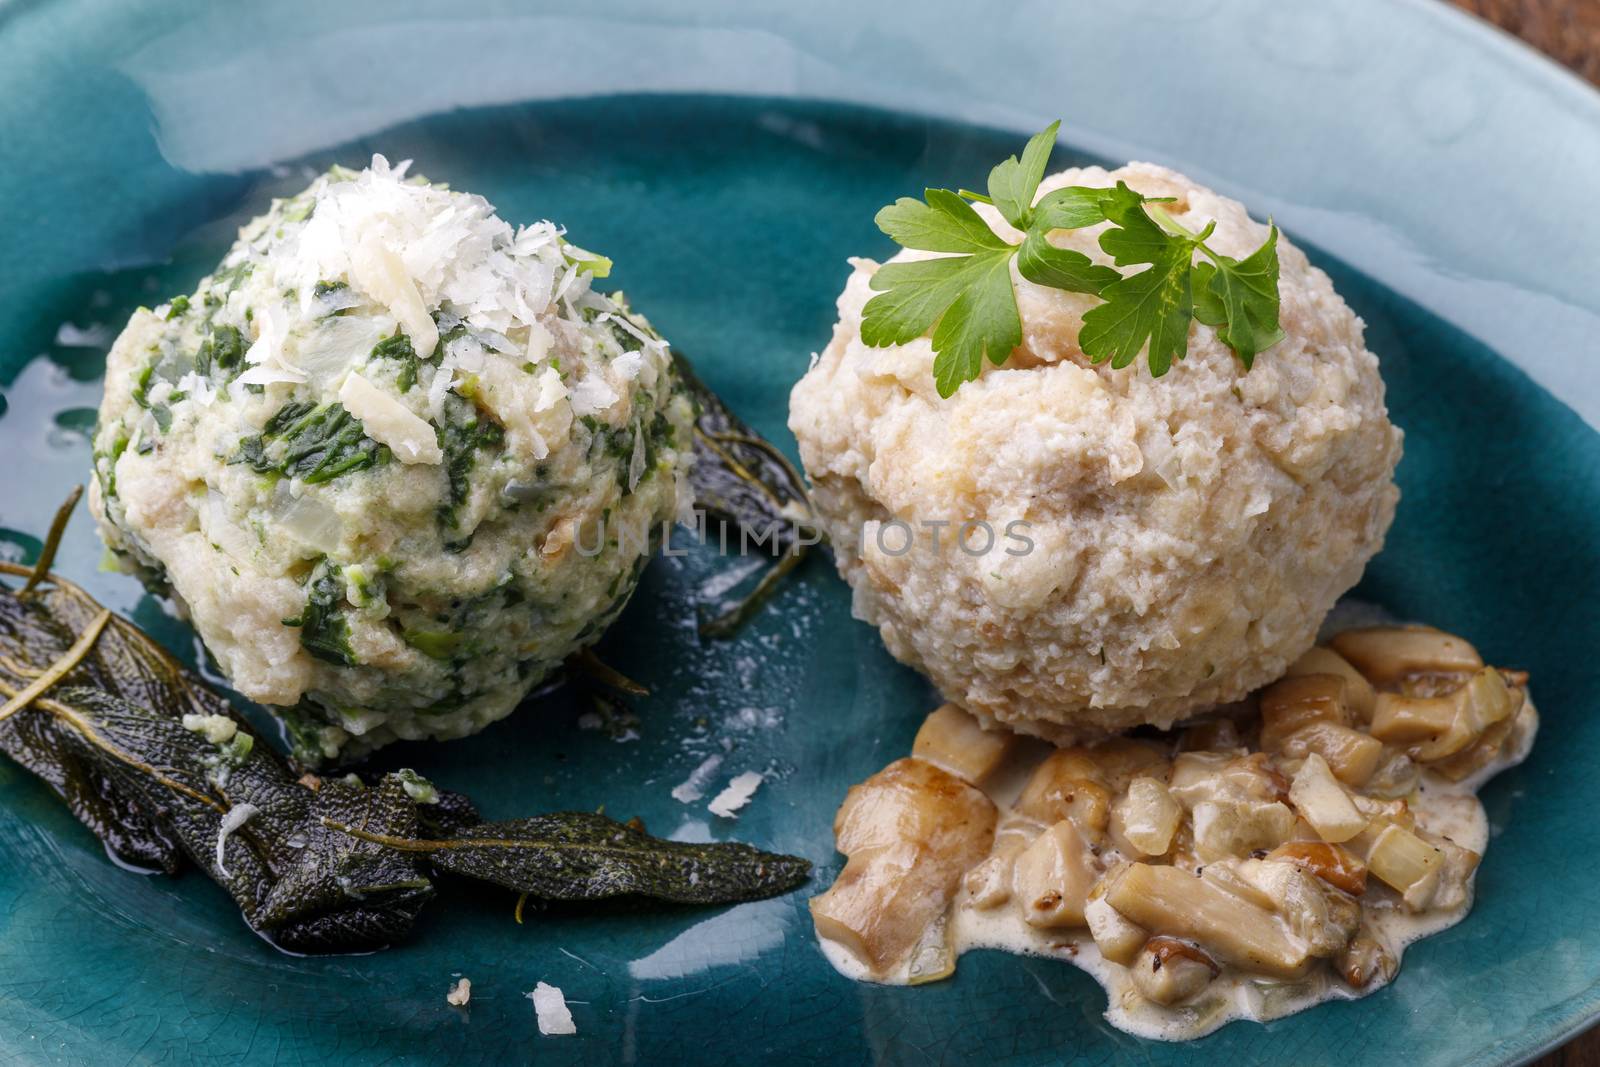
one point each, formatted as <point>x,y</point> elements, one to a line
<point>1197,776</point>
<point>877,908</point>
<point>1166,900</point>
<point>1358,692</point>
<point>1067,786</point>
<point>953,739</point>
<point>1225,874</point>
<point>932,957</point>
<point>1481,703</point>
<point>1200,776</point>
<point>1169,971</point>
<point>1052,877</point>
<point>1503,740</point>
<point>1321,916</point>
<point>911,831</point>
<point>1365,960</point>
<point>1388,653</point>
<point>1454,887</point>
<point>1337,866</point>
<point>1403,720</point>
<point>1299,701</point>
<point>1118,939</point>
<point>988,885</point>
<point>1122,759</point>
<point>1352,755</point>
<point>1440,726</point>
<point>1111,765</point>
<point>1380,812</point>
<point>1145,818</point>
<point>1322,801</point>
<point>1218,734</point>
<point>1476,756</point>
<point>913,800</point>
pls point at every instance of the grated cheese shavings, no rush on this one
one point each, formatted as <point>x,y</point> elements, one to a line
<point>237,816</point>
<point>737,794</point>
<point>693,787</point>
<point>555,1018</point>
<point>390,422</point>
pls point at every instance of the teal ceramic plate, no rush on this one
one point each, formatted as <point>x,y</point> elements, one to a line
<point>729,156</point>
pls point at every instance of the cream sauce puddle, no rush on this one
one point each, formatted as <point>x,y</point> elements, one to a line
<point>1449,809</point>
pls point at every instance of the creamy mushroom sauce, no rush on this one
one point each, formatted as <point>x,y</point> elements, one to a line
<point>1441,807</point>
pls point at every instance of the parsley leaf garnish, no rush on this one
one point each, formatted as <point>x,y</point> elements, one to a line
<point>1240,298</point>
<point>965,297</point>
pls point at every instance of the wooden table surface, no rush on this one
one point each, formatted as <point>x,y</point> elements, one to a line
<point>1567,31</point>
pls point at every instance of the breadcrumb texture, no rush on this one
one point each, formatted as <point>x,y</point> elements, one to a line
<point>1189,533</point>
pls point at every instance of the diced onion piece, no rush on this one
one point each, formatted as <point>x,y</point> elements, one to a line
<point>1224,828</point>
<point>1402,860</point>
<point>334,344</point>
<point>1227,875</point>
<point>1483,702</point>
<point>1318,915</point>
<point>1322,801</point>
<point>1396,776</point>
<point>953,739</point>
<point>220,529</point>
<point>1167,900</point>
<point>1146,817</point>
<point>1388,653</point>
<point>389,422</point>
<point>1118,939</point>
<point>1196,776</point>
<point>309,521</point>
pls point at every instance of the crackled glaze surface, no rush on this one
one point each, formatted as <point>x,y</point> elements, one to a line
<point>135,140</point>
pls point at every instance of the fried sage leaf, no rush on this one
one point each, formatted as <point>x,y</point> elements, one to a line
<point>341,889</point>
<point>576,855</point>
<point>160,768</point>
<point>741,480</point>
